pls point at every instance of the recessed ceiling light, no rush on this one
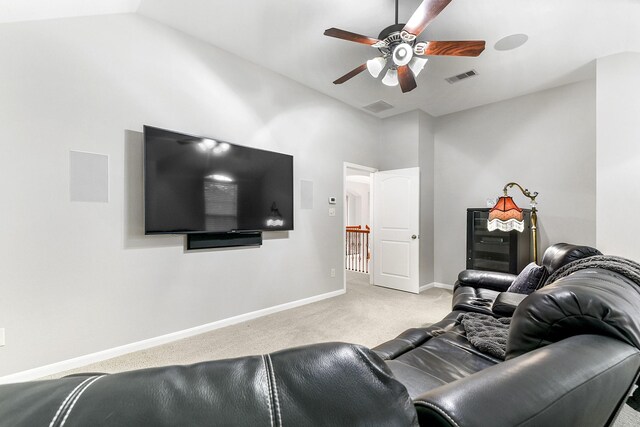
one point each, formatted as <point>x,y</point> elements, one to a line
<point>511,42</point>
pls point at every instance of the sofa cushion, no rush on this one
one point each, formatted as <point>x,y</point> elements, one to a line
<point>477,300</point>
<point>439,360</point>
<point>412,338</point>
<point>530,278</point>
<point>591,301</point>
<point>506,303</point>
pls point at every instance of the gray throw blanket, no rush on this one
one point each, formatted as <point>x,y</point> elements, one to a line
<point>486,333</point>
<point>623,266</point>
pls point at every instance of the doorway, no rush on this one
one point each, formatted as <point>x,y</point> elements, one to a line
<point>381,226</point>
<point>396,210</point>
<point>357,222</point>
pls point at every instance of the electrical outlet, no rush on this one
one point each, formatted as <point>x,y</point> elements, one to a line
<point>333,272</point>
<point>1,337</point>
<point>332,211</point>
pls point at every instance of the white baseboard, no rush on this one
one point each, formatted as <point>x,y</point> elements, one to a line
<point>78,362</point>
<point>435,285</point>
<point>443,286</point>
<point>425,287</point>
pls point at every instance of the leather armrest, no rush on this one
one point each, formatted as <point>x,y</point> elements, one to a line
<point>506,303</point>
<point>582,381</point>
<point>492,280</point>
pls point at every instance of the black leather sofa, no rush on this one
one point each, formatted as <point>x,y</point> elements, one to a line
<point>328,384</point>
<point>572,352</point>
<point>572,356</point>
<point>475,286</point>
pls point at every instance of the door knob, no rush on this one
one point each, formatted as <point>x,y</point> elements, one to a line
<point>414,237</point>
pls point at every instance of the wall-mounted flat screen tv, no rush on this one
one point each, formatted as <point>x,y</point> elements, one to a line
<point>203,185</point>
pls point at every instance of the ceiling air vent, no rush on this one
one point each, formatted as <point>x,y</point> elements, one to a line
<point>456,79</point>
<point>378,107</point>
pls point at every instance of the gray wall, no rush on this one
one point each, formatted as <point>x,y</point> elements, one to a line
<point>360,210</point>
<point>544,141</point>
<point>77,278</point>
<point>398,143</point>
<point>618,154</point>
<point>406,141</point>
<point>426,159</point>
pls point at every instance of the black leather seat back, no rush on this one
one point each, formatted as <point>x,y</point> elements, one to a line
<point>323,384</point>
<point>561,254</point>
<point>590,301</point>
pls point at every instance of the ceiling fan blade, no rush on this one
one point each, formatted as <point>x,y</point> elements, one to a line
<point>351,74</point>
<point>406,79</point>
<point>423,16</point>
<point>352,37</point>
<point>455,48</point>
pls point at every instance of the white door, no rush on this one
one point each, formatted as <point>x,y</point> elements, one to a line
<point>396,219</point>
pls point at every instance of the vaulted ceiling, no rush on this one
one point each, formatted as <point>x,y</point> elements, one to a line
<point>286,36</point>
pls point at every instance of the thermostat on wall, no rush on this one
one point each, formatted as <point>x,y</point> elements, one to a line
<point>332,200</point>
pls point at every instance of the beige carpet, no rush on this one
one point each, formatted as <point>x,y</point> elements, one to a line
<point>366,315</point>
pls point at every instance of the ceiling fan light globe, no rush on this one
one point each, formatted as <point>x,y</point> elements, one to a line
<point>391,78</point>
<point>417,64</point>
<point>402,54</point>
<point>375,66</point>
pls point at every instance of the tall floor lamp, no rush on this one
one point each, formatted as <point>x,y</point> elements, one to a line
<point>507,216</point>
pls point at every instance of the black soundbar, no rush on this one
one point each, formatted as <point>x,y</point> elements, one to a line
<point>223,240</point>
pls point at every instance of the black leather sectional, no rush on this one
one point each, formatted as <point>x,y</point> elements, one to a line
<point>328,384</point>
<point>572,357</point>
<point>572,352</point>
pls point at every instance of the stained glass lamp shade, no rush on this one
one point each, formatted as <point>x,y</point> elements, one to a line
<point>505,216</point>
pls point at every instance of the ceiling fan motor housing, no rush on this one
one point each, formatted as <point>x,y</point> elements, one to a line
<point>401,50</point>
<point>391,29</point>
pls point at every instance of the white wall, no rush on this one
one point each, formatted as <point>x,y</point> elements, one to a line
<point>544,141</point>
<point>406,141</point>
<point>77,278</point>
<point>618,154</point>
<point>426,160</point>
<point>360,193</point>
<point>398,142</point>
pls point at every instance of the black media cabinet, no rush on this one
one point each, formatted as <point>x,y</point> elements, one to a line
<point>508,252</point>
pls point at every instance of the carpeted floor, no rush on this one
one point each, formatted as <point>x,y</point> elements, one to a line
<point>366,315</point>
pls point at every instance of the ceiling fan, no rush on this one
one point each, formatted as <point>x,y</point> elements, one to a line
<point>399,43</point>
